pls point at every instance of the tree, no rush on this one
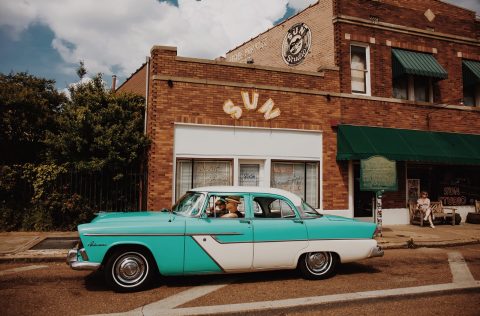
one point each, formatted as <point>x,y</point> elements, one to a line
<point>28,107</point>
<point>99,129</point>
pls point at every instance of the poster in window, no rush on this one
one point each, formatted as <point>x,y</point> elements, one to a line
<point>413,189</point>
<point>249,175</point>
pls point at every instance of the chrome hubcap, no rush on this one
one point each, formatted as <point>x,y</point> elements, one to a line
<point>318,262</point>
<point>130,269</point>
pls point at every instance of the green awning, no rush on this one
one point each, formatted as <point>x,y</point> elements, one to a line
<point>405,62</point>
<point>471,72</point>
<point>361,142</point>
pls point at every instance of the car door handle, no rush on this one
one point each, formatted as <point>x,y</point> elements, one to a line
<point>300,221</point>
<point>245,221</point>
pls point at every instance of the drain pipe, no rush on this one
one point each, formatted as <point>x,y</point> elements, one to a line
<point>147,83</point>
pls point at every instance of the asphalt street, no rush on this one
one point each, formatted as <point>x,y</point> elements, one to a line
<point>54,289</point>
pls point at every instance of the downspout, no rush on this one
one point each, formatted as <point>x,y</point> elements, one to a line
<point>147,82</point>
<point>143,196</point>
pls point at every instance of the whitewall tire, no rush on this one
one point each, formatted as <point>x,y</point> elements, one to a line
<point>318,265</point>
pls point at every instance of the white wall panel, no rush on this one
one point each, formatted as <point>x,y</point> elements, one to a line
<point>214,141</point>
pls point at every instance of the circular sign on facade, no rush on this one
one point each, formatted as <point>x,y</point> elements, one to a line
<point>296,44</point>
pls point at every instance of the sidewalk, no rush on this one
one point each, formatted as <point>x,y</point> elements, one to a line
<point>16,246</point>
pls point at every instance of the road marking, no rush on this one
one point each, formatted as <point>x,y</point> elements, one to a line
<point>185,296</point>
<point>462,279</point>
<point>21,269</point>
<point>316,300</point>
<point>459,268</point>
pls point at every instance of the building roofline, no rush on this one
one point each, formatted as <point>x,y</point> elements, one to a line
<point>129,77</point>
<point>457,6</point>
<point>267,30</point>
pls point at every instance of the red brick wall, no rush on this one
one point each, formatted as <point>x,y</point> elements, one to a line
<point>447,54</point>
<point>449,19</point>
<point>201,103</point>
<point>266,48</point>
<point>136,82</point>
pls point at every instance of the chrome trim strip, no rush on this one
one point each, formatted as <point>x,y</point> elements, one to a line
<point>165,234</point>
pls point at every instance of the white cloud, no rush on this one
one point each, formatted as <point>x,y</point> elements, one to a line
<point>300,4</point>
<point>111,33</point>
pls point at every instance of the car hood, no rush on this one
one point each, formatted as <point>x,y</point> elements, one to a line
<point>130,217</point>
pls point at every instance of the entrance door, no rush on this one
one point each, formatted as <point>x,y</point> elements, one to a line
<point>251,173</point>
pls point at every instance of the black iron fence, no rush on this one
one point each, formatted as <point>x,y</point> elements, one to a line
<point>103,191</point>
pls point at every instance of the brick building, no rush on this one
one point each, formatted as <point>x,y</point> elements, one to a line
<point>300,105</point>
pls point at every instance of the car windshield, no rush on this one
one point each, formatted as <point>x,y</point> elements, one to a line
<point>309,211</point>
<point>189,204</point>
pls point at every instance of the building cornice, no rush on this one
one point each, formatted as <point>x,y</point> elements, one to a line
<point>311,92</point>
<point>405,30</point>
<point>320,73</point>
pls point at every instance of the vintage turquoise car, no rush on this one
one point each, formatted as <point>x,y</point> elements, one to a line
<point>261,229</point>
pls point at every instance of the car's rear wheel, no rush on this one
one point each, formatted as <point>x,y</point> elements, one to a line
<point>318,265</point>
<point>128,269</point>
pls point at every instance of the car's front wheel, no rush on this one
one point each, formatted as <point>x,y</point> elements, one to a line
<point>318,265</point>
<point>128,269</point>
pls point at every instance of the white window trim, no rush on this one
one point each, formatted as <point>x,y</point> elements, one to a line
<point>368,91</point>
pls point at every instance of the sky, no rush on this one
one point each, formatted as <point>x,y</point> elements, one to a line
<point>48,38</point>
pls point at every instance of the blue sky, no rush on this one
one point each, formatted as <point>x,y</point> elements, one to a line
<point>47,38</point>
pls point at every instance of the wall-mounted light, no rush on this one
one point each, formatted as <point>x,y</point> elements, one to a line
<point>170,83</point>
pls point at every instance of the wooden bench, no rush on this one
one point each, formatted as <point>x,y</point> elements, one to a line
<point>438,210</point>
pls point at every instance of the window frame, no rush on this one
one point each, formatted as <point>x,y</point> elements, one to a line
<point>304,162</point>
<point>368,90</point>
<point>192,161</point>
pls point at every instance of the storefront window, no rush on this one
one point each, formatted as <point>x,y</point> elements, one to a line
<point>456,186</point>
<point>194,173</point>
<point>300,178</point>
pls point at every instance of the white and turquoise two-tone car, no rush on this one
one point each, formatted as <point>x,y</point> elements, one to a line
<point>271,229</point>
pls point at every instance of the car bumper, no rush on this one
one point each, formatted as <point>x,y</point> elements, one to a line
<point>376,251</point>
<point>72,260</point>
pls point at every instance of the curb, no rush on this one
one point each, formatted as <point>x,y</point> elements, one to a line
<point>410,244</point>
<point>428,244</point>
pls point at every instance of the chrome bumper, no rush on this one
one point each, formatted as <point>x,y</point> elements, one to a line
<point>72,260</point>
<point>376,251</point>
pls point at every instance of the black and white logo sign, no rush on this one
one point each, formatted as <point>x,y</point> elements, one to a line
<point>296,44</point>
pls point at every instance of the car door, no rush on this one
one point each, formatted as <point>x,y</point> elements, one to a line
<point>216,244</point>
<point>279,232</point>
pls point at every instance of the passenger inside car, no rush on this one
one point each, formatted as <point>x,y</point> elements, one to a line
<point>232,206</point>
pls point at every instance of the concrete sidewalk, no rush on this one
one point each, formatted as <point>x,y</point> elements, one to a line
<point>16,246</point>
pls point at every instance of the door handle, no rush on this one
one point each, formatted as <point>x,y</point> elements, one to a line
<point>245,221</point>
<point>300,221</point>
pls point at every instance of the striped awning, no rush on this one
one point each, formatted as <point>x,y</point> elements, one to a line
<point>471,72</point>
<point>406,62</point>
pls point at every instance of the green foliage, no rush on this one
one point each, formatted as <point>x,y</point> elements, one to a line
<point>44,135</point>
<point>98,129</point>
<point>28,107</point>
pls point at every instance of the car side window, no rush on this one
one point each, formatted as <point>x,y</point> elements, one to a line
<point>281,208</point>
<point>217,206</point>
<point>271,207</point>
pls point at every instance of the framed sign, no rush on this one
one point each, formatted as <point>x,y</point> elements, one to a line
<point>378,173</point>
